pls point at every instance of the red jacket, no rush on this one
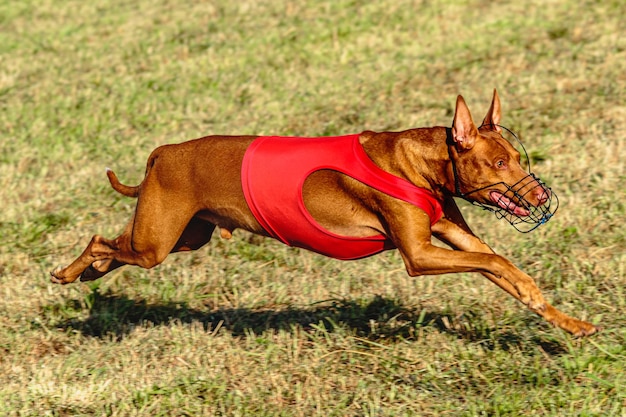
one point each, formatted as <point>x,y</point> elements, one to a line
<point>273,173</point>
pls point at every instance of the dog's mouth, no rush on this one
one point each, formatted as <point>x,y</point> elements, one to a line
<point>514,205</point>
<point>507,204</point>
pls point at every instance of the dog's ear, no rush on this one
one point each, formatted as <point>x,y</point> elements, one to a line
<point>492,119</point>
<point>464,130</point>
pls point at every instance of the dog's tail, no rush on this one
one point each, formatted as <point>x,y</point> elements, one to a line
<point>126,190</point>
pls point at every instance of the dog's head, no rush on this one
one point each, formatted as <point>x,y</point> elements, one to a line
<point>487,171</point>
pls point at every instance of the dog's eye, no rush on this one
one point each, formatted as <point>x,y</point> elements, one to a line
<point>500,163</point>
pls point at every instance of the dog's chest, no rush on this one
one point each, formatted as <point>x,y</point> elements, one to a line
<point>273,173</point>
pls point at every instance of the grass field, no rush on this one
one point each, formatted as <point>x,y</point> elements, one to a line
<point>248,327</point>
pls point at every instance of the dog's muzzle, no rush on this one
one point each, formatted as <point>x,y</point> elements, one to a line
<point>513,205</point>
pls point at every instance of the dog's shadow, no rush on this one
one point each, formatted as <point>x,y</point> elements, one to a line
<point>379,319</point>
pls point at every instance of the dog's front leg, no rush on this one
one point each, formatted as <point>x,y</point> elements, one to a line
<point>473,255</point>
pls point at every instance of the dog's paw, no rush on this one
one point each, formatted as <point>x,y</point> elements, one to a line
<point>59,275</point>
<point>578,328</point>
<point>582,329</point>
<point>56,276</point>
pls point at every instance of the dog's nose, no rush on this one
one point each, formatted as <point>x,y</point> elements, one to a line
<point>542,194</point>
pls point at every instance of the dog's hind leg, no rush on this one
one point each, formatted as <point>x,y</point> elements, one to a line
<point>197,233</point>
<point>157,228</point>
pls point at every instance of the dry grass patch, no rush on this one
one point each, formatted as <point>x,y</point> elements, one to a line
<point>250,327</point>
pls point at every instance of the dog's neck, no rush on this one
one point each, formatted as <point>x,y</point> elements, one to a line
<point>404,154</point>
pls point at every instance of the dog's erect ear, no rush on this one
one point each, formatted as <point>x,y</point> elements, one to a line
<point>464,130</point>
<point>492,119</point>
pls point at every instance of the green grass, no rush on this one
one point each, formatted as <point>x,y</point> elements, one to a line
<point>250,327</point>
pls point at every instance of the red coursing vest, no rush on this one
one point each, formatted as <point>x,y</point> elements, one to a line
<point>273,174</point>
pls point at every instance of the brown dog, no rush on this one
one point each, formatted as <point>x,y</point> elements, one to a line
<point>192,187</point>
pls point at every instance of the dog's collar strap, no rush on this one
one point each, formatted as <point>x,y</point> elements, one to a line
<point>457,184</point>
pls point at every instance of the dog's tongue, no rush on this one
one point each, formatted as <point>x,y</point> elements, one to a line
<point>507,204</point>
